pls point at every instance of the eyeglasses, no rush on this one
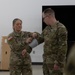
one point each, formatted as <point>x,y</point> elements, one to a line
<point>44,18</point>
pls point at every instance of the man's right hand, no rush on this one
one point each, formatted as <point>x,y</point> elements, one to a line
<point>34,35</point>
<point>56,67</point>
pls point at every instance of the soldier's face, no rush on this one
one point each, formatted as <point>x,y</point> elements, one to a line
<point>46,19</point>
<point>17,26</point>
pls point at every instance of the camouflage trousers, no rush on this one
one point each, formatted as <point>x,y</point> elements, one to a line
<point>20,65</point>
<point>18,70</point>
<point>48,70</point>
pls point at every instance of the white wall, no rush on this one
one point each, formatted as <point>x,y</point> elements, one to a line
<point>30,11</point>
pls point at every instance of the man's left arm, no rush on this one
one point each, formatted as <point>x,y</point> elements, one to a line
<point>62,45</point>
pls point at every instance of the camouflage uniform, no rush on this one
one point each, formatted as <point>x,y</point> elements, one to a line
<point>18,63</point>
<point>55,47</point>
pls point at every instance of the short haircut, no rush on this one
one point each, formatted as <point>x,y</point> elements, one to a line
<point>16,20</point>
<point>49,11</point>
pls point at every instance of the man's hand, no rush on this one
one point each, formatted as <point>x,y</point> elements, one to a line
<point>34,35</point>
<point>24,52</point>
<point>56,67</point>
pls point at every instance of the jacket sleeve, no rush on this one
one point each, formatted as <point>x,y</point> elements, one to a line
<point>61,45</point>
<point>40,38</point>
<point>27,47</point>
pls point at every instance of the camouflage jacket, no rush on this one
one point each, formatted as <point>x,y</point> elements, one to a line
<point>55,41</point>
<point>17,42</point>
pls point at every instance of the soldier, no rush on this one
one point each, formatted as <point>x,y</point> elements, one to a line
<point>20,60</point>
<point>54,37</point>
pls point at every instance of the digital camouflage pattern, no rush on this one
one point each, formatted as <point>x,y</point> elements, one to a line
<point>18,63</point>
<point>55,48</point>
